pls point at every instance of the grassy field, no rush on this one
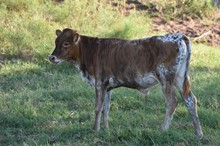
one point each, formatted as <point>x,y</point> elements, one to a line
<point>46,104</point>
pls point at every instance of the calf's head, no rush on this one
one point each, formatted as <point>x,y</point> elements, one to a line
<point>66,46</point>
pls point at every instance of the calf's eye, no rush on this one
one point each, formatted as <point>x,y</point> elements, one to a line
<point>66,44</point>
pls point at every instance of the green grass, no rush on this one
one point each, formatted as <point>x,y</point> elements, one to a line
<point>46,104</point>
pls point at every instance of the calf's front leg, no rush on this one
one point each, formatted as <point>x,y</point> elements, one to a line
<point>100,96</point>
<point>106,108</point>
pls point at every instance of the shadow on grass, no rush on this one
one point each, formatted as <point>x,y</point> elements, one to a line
<point>52,92</point>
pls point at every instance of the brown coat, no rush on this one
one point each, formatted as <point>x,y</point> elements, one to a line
<point>108,63</point>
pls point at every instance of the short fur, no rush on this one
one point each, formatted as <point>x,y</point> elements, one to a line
<point>108,63</point>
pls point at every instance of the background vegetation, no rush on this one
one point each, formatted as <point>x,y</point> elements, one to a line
<point>44,104</point>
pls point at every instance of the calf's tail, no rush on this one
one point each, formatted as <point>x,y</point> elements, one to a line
<point>186,84</point>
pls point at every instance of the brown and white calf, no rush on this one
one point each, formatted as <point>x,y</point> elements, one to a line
<point>108,63</point>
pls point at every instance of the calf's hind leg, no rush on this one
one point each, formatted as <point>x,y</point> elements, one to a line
<point>171,103</point>
<point>191,103</point>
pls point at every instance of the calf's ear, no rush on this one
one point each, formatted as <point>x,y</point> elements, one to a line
<point>58,32</point>
<point>76,38</point>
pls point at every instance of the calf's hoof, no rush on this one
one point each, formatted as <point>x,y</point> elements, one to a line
<point>96,128</point>
<point>199,135</point>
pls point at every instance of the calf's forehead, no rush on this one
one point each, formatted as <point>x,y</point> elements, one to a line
<point>64,36</point>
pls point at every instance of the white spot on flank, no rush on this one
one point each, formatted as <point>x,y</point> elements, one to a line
<point>163,71</point>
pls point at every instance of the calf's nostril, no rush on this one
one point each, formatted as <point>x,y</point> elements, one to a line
<point>51,58</point>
